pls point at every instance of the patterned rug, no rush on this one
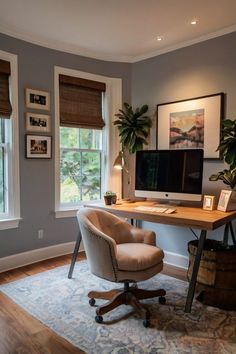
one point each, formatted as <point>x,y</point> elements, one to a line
<point>62,304</point>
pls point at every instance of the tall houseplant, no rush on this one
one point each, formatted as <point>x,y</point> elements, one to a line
<point>227,148</point>
<point>133,126</point>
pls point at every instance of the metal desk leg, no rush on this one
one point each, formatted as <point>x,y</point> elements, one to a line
<point>226,235</point>
<point>232,233</point>
<point>193,280</point>
<point>74,256</point>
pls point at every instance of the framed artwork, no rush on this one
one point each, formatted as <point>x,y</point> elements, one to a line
<point>227,200</point>
<point>38,123</point>
<point>193,123</point>
<point>38,147</point>
<point>209,202</point>
<point>37,99</point>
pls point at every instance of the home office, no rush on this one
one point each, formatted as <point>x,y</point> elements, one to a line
<point>45,194</point>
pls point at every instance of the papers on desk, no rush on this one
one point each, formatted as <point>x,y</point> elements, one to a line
<point>155,209</point>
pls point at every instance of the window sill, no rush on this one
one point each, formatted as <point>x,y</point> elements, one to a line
<point>9,223</point>
<point>70,212</point>
<point>66,213</point>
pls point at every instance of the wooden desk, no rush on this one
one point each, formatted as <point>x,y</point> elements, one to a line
<point>183,216</point>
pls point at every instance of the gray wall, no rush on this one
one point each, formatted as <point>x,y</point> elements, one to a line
<point>36,70</point>
<point>202,69</point>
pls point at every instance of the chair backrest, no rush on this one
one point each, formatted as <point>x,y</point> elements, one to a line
<point>99,247</point>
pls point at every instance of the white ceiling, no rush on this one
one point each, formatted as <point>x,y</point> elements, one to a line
<point>118,30</point>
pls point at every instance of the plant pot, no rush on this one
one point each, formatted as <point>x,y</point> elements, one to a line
<point>114,199</point>
<point>108,199</point>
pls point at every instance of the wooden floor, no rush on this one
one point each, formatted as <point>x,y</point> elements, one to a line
<point>20,333</point>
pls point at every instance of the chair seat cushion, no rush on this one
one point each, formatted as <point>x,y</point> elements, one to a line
<point>138,256</point>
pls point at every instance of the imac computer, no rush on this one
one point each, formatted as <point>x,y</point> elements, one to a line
<point>169,174</point>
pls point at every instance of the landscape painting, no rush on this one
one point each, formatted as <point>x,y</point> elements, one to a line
<point>193,123</point>
<point>186,129</point>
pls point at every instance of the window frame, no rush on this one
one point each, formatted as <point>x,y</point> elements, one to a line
<point>112,102</point>
<point>4,145</point>
<point>12,218</point>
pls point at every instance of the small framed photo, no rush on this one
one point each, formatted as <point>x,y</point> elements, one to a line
<point>37,99</point>
<point>38,147</point>
<point>227,200</point>
<point>37,123</point>
<point>209,202</point>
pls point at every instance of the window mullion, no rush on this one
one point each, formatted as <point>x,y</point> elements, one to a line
<point>81,175</point>
<point>80,150</point>
<point>2,131</point>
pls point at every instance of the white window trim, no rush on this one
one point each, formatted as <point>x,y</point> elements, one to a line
<point>112,103</point>
<point>13,218</point>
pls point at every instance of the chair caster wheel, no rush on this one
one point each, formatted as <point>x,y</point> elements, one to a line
<point>146,323</point>
<point>99,319</point>
<point>162,300</point>
<point>92,302</point>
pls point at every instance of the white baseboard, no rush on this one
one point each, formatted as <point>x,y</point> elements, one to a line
<point>176,260</point>
<point>40,254</point>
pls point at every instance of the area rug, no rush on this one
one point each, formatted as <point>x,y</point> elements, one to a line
<point>62,304</point>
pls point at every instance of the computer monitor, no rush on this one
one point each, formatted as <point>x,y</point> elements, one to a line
<point>169,174</point>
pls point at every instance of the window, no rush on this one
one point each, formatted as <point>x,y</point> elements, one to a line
<point>80,164</point>
<point>85,138</point>
<point>81,123</point>
<point>9,158</point>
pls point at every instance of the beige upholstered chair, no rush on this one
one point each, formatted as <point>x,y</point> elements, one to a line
<point>119,252</point>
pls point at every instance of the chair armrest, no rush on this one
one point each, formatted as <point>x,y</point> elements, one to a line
<point>122,232</point>
<point>143,236</point>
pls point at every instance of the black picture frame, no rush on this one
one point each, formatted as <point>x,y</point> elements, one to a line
<point>38,147</point>
<point>37,99</point>
<point>208,112</point>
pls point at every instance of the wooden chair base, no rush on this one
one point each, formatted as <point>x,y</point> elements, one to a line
<point>126,296</point>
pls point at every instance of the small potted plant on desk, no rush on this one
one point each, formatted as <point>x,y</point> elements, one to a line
<point>110,198</point>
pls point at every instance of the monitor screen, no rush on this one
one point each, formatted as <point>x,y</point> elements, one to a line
<point>169,174</point>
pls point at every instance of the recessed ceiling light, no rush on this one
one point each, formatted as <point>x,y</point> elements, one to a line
<point>159,38</point>
<point>193,22</point>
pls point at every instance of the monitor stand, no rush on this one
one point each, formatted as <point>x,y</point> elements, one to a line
<point>168,203</point>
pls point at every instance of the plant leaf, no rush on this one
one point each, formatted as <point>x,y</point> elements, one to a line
<point>133,126</point>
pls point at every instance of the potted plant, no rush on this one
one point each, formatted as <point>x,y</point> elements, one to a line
<point>110,198</point>
<point>214,268</point>
<point>133,126</point>
<point>227,148</point>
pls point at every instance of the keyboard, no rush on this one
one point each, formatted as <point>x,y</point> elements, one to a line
<point>155,209</point>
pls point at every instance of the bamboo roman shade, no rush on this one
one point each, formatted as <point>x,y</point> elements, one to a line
<point>5,104</point>
<point>81,102</point>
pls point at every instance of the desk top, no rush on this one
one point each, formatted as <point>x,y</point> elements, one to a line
<point>183,216</point>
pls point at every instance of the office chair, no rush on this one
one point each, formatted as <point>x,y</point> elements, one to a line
<point>119,252</point>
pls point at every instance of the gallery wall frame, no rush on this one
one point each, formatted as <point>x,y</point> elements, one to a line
<point>191,123</point>
<point>39,123</point>
<point>37,99</point>
<point>38,147</point>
